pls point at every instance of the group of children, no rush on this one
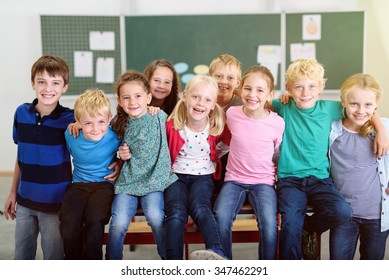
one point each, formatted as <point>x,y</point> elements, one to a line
<point>227,134</point>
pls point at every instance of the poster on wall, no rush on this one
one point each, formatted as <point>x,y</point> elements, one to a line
<point>311,27</point>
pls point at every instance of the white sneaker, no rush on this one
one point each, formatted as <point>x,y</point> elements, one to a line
<point>205,255</point>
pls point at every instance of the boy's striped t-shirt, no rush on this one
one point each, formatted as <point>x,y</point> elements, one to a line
<point>43,158</point>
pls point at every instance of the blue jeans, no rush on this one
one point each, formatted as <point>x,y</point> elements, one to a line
<point>29,223</point>
<point>294,194</point>
<point>263,199</point>
<point>190,195</point>
<point>124,208</point>
<point>344,239</point>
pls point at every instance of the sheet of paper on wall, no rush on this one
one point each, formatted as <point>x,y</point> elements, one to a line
<point>102,40</point>
<point>83,64</point>
<point>105,70</point>
<point>311,27</point>
<point>298,50</point>
<point>270,56</point>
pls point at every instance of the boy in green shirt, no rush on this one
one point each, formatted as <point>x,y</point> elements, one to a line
<point>303,169</point>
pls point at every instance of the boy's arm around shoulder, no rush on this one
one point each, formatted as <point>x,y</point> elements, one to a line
<point>381,140</point>
<point>276,105</point>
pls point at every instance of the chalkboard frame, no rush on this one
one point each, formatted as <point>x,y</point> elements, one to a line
<point>63,35</point>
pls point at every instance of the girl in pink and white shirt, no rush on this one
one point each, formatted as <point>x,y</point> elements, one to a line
<point>193,131</point>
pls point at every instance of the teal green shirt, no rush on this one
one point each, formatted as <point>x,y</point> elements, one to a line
<point>304,150</point>
<point>149,168</point>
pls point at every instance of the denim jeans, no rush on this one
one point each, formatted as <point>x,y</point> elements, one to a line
<point>190,195</point>
<point>344,239</point>
<point>85,211</point>
<point>294,194</point>
<point>29,223</point>
<point>124,208</point>
<point>263,200</point>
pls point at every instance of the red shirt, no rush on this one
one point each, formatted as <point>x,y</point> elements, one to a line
<point>175,143</point>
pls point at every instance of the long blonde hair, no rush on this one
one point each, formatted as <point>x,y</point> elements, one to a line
<point>365,82</point>
<point>216,116</point>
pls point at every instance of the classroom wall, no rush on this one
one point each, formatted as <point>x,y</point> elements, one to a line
<point>21,41</point>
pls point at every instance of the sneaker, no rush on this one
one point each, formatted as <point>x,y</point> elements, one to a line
<point>310,247</point>
<point>206,255</point>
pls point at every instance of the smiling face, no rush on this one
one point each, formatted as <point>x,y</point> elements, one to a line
<point>305,92</point>
<point>360,105</point>
<point>227,78</point>
<point>161,83</point>
<point>255,93</point>
<point>94,127</point>
<point>48,90</point>
<point>134,99</point>
<point>199,101</point>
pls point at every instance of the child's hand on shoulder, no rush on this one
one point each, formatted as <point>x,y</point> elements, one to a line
<point>74,129</point>
<point>153,110</point>
<point>284,98</point>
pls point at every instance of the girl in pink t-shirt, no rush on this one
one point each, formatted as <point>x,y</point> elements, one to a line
<point>256,134</point>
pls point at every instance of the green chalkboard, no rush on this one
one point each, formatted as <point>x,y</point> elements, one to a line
<point>196,40</point>
<point>63,35</point>
<point>340,48</point>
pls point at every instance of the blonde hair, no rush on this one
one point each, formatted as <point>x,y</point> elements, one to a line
<point>94,102</point>
<point>226,60</point>
<point>304,67</point>
<point>365,82</point>
<point>216,116</point>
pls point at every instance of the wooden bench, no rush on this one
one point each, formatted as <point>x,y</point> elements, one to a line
<point>244,230</point>
<point>139,233</point>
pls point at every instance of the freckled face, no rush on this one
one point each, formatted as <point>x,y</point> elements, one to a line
<point>305,92</point>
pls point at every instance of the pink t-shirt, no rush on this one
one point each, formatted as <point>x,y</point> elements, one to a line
<point>250,160</point>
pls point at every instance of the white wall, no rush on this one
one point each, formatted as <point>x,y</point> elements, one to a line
<point>21,41</point>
